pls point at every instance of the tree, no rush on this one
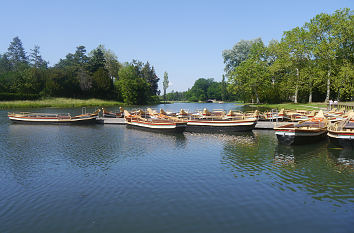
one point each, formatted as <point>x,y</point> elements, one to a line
<point>36,59</point>
<point>204,89</point>
<point>85,81</point>
<point>148,73</point>
<point>76,61</point>
<point>165,85</point>
<point>102,84</point>
<point>97,60</point>
<point>79,57</point>
<point>112,64</point>
<point>298,48</point>
<point>346,81</point>
<point>134,89</point>
<point>5,65</point>
<point>16,54</point>
<point>251,78</point>
<point>325,46</point>
<point>31,80</point>
<point>214,91</point>
<point>223,89</point>
<point>239,53</point>
<point>62,83</point>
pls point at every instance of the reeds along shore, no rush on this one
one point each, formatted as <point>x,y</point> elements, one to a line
<point>58,103</point>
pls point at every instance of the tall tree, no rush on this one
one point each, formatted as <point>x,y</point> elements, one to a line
<point>165,85</point>
<point>79,57</point>
<point>224,94</point>
<point>16,54</point>
<point>239,53</point>
<point>134,89</point>
<point>36,59</point>
<point>297,45</point>
<point>112,64</point>
<point>148,73</point>
<point>97,60</point>
<point>250,79</point>
<point>325,46</point>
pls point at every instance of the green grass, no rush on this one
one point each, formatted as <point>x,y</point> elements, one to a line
<point>58,103</point>
<point>299,106</point>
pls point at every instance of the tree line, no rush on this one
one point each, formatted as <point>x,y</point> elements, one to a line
<point>203,89</point>
<point>314,62</point>
<point>97,74</point>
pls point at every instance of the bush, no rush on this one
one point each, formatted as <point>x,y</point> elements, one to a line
<point>18,96</point>
<point>154,99</point>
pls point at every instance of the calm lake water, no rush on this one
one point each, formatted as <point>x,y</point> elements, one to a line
<point>107,178</point>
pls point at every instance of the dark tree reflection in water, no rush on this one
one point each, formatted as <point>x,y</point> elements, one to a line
<point>321,170</point>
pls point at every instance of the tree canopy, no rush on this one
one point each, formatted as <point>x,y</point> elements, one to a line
<point>96,74</point>
<point>312,62</point>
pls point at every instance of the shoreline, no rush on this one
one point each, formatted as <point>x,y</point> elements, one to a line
<point>59,103</point>
<point>299,106</point>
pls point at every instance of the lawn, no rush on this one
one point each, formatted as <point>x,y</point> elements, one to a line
<point>299,106</point>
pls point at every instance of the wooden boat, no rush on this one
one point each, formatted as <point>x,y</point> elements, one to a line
<point>108,114</point>
<point>153,123</point>
<point>306,131</point>
<point>183,114</point>
<point>342,132</point>
<point>299,115</point>
<point>52,118</point>
<point>208,122</point>
<point>281,116</point>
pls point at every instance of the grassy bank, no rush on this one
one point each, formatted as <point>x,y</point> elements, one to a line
<point>300,106</point>
<point>58,103</point>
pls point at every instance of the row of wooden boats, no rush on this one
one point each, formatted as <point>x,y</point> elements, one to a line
<point>202,121</point>
<point>301,115</point>
<point>338,127</point>
<point>317,128</point>
<point>314,126</point>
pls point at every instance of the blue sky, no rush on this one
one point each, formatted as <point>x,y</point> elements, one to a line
<point>184,38</point>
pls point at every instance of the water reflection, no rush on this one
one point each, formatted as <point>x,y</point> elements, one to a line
<point>313,169</point>
<point>343,157</point>
<point>148,141</point>
<point>248,157</point>
<point>29,150</point>
<point>317,173</point>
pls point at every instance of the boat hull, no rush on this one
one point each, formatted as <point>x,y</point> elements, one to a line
<point>41,121</point>
<point>162,128</point>
<point>201,126</point>
<point>296,138</point>
<point>342,139</point>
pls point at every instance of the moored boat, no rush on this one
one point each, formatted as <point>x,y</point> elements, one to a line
<point>208,122</point>
<point>306,131</point>
<point>280,116</point>
<point>342,132</point>
<point>52,118</point>
<point>109,114</point>
<point>151,123</point>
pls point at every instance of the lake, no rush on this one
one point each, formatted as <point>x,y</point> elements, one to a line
<point>109,178</point>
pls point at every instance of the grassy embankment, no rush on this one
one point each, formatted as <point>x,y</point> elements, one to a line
<point>58,103</point>
<point>299,106</point>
